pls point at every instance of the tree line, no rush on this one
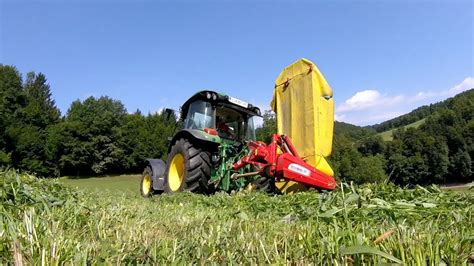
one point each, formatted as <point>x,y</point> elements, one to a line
<point>96,136</point>
<point>417,114</point>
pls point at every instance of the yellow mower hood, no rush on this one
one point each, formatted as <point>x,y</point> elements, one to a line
<point>304,106</point>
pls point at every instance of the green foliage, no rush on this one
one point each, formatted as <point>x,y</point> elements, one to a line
<point>97,136</point>
<point>11,99</point>
<point>91,130</point>
<point>439,150</point>
<point>28,110</point>
<point>5,159</point>
<point>351,165</point>
<point>147,137</point>
<point>353,132</point>
<point>388,135</point>
<point>45,222</point>
<point>269,127</point>
<point>372,145</point>
<point>40,109</point>
<point>425,111</point>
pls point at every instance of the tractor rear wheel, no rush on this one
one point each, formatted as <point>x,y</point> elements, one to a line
<point>146,185</point>
<point>188,168</point>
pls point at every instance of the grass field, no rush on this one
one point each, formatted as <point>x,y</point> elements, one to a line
<point>122,184</point>
<point>104,220</point>
<point>388,135</point>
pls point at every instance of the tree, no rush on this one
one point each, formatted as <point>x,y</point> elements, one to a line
<point>350,165</point>
<point>372,145</point>
<point>27,133</point>
<point>91,138</point>
<point>11,99</point>
<point>40,110</point>
<point>268,128</point>
<point>417,157</point>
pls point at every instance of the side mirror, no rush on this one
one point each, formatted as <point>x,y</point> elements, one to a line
<point>168,113</point>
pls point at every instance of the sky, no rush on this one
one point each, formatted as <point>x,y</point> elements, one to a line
<point>381,58</point>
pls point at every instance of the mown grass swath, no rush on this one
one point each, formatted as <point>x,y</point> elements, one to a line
<point>43,221</point>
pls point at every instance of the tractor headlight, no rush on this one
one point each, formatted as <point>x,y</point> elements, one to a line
<point>214,96</point>
<point>208,95</point>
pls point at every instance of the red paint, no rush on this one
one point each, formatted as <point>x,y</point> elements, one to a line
<point>287,165</point>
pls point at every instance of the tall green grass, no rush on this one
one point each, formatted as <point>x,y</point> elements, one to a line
<point>45,222</point>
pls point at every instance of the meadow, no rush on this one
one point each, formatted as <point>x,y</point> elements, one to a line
<point>104,220</point>
<point>388,135</point>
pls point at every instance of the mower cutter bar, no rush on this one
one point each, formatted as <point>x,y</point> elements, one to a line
<point>285,165</point>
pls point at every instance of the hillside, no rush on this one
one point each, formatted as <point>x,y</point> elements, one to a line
<point>420,113</point>
<point>352,131</point>
<point>388,135</point>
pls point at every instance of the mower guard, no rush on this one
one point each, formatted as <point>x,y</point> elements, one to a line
<point>158,167</point>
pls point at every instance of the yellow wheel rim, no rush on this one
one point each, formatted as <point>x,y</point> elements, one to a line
<point>146,185</point>
<point>176,172</point>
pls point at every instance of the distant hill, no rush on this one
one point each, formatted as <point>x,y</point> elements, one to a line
<point>418,114</point>
<point>413,119</point>
<point>388,135</point>
<point>352,131</point>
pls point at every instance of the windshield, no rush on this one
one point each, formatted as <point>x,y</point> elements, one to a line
<point>251,128</point>
<point>200,115</point>
<point>234,125</point>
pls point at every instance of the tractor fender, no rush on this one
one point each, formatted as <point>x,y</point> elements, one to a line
<point>196,135</point>
<point>158,167</point>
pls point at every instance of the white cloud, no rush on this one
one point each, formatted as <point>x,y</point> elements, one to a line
<point>370,106</point>
<point>368,99</point>
<point>466,84</point>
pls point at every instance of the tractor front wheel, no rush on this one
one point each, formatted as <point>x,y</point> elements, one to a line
<point>146,185</point>
<point>188,168</point>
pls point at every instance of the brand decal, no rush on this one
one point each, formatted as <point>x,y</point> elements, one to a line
<point>238,102</point>
<point>299,169</point>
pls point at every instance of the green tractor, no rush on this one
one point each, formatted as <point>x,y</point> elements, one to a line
<point>201,155</point>
<point>217,149</point>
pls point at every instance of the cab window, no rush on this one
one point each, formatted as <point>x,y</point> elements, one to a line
<point>200,115</point>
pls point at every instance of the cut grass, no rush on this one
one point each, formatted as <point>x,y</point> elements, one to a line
<point>372,224</point>
<point>388,135</point>
<point>115,184</point>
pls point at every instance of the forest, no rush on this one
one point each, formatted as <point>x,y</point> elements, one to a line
<point>97,136</point>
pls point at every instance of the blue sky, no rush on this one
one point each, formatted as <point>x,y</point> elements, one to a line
<point>382,58</point>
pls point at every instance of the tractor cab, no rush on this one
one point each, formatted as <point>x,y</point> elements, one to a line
<point>220,117</point>
<point>216,126</point>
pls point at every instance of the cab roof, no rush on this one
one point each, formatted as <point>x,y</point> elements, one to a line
<point>222,100</point>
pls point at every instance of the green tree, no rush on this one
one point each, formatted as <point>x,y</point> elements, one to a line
<point>11,99</point>
<point>91,141</point>
<point>417,157</point>
<point>350,165</point>
<point>28,133</point>
<point>269,127</point>
<point>372,145</point>
<point>147,137</point>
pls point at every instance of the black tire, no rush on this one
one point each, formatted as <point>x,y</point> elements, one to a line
<point>146,184</point>
<point>197,167</point>
<point>264,184</point>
